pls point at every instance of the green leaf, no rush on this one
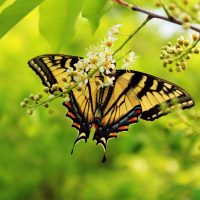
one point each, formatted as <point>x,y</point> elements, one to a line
<point>57,21</point>
<point>2,1</point>
<point>93,11</point>
<point>11,15</point>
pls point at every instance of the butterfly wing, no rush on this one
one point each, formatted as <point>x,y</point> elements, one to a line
<point>136,94</point>
<point>152,92</point>
<point>120,108</point>
<point>51,68</point>
<point>81,109</point>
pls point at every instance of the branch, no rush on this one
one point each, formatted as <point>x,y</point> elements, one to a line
<point>154,15</point>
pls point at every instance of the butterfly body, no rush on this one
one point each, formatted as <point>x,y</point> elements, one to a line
<point>110,109</point>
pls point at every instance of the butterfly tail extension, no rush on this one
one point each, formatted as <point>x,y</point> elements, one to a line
<point>78,122</point>
<point>104,133</point>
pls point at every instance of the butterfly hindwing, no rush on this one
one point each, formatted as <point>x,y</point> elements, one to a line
<point>119,108</point>
<point>81,121</point>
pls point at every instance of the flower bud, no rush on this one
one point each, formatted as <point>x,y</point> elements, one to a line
<point>195,37</point>
<point>196,51</point>
<point>55,87</point>
<point>186,18</point>
<point>31,96</point>
<point>46,105</point>
<point>23,104</point>
<point>26,100</point>
<point>186,43</point>
<point>46,89</point>
<point>36,97</point>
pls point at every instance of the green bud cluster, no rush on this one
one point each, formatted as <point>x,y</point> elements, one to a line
<point>31,100</point>
<point>35,100</point>
<point>175,56</point>
<point>185,10</point>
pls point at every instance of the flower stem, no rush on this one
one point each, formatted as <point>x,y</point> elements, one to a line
<point>132,35</point>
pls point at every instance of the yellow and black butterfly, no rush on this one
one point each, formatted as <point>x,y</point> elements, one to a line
<point>110,109</point>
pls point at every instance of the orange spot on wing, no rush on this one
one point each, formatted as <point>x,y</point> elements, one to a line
<point>133,119</point>
<point>113,135</point>
<point>76,125</point>
<point>68,104</point>
<point>103,123</point>
<point>94,125</point>
<point>71,115</point>
<point>138,112</point>
<point>122,128</point>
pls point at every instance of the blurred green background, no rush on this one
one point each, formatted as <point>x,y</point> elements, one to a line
<point>151,161</point>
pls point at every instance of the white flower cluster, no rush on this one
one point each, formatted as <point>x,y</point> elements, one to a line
<point>99,59</point>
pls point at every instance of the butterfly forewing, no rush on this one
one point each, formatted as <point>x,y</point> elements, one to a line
<point>121,100</point>
<point>153,92</point>
<point>52,67</point>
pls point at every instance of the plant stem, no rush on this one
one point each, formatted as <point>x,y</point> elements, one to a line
<point>132,35</point>
<point>166,10</point>
<point>154,15</point>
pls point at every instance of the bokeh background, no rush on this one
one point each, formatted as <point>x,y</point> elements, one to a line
<point>151,161</point>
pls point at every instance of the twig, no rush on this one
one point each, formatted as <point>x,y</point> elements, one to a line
<point>154,15</point>
<point>166,10</point>
<point>132,35</point>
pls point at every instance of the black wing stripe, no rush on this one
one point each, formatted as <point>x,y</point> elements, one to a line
<point>147,85</point>
<point>110,91</point>
<point>119,97</point>
<point>136,78</point>
<point>43,71</point>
